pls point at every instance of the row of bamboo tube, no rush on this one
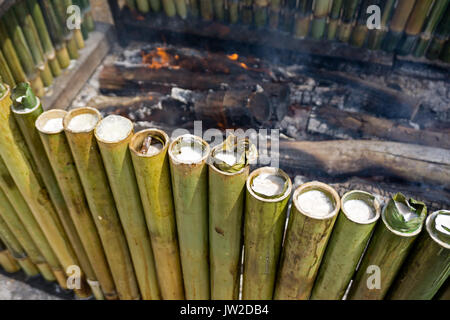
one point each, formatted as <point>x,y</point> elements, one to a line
<point>152,226</point>
<point>407,27</point>
<point>36,44</point>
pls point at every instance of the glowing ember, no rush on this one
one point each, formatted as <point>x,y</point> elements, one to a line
<point>243,65</point>
<point>233,56</point>
<point>159,58</point>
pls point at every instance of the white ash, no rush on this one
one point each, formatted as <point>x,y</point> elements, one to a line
<point>359,210</point>
<point>114,128</point>
<point>182,95</point>
<point>316,203</point>
<point>269,185</point>
<point>83,122</point>
<point>189,154</point>
<point>53,125</point>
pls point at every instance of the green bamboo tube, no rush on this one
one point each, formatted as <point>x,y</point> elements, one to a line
<point>143,6</point>
<point>7,262</point>
<point>310,226</point>
<point>265,218</point>
<point>206,10</point>
<point>193,8</point>
<point>79,40</point>
<point>233,6</point>
<point>131,4</point>
<point>169,8</point>
<point>190,193</point>
<point>155,5</point>
<point>32,37</point>
<point>388,248</point>
<point>226,210</point>
<point>359,33</point>
<point>60,7</point>
<point>44,36</point>
<point>32,271</point>
<point>335,16</point>
<point>274,13</point>
<point>219,10</point>
<point>441,36</point>
<point>88,18</point>
<point>377,36</point>
<point>348,20</point>
<point>181,8</point>
<point>93,177</point>
<point>302,18</point>
<point>5,73</point>
<point>10,55</point>
<point>61,160</point>
<point>321,11</point>
<point>436,14</point>
<point>398,24</point>
<point>18,162</point>
<point>414,25</point>
<point>350,236</point>
<point>153,177</point>
<point>121,176</point>
<point>260,8</point>
<point>428,266</point>
<point>26,109</point>
<point>246,12</point>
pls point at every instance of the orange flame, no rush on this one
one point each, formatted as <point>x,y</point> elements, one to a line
<point>243,65</point>
<point>158,59</point>
<point>233,56</point>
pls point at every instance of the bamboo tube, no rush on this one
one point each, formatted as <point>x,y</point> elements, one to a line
<point>233,6</point>
<point>428,266</point>
<point>260,8</point>
<point>32,37</point>
<point>5,73</point>
<point>193,8</point>
<point>26,109</point>
<point>442,34</point>
<point>132,4</point>
<point>44,36</point>
<point>151,164</point>
<point>377,36</point>
<point>56,33</point>
<point>18,162</point>
<point>219,10</point>
<point>360,30</point>
<point>314,212</point>
<point>11,56</point>
<point>93,177</point>
<point>155,5</point>
<point>169,7</point>
<point>181,8</point>
<point>246,11</point>
<point>143,6</point>
<point>190,193</point>
<point>335,16</point>
<point>388,248</point>
<point>359,214</point>
<point>274,13</point>
<point>436,14</point>
<point>60,7</point>
<point>321,11</point>
<point>23,52</point>
<point>7,262</point>
<point>226,210</point>
<point>265,217</point>
<point>60,157</point>
<point>414,26</point>
<point>398,24</point>
<point>348,20</point>
<point>206,10</point>
<point>303,18</point>
<point>113,136</point>
<point>444,292</point>
<point>88,18</point>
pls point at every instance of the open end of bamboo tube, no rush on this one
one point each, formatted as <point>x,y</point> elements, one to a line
<point>360,207</point>
<point>438,227</point>
<point>51,122</point>
<point>189,149</point>
<point>269,184</point>
<point>114,129</point>
<point>24,99</point>
<point>81,120</point>
<point>149,143</point>
<point>317,200</point>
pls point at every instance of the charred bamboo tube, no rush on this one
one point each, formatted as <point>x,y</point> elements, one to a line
<point>441,36</point>
<point>188,155</point>
<point>260,8</point>
<point>193,8</point>
<point>5,73</point>
<point>7,262</point>
<point>181,8</point>
<point>206,10</point>
<point>79,125</point>
<point>23,52</point>
<point>414,26</point>
<point>113,136</point>
<point>321,11</point>
<point>151,164</point>
<point>359,214</point>
<point>402,221</point>
<point>219,10</point>
<point>233,8</point>
<point>314,212</point>
<point>27,108</point>
<point>398,24</point>
<point>335,16</point>
<point>50,127</point>
<point>11,56</point>
<point>436,14</point>
<point>376,36</point>
<point>267,197</point>
<point>18,162</point>
<point>348,20</point>
<point>32,37</point>
<point>143,6</point>
<point>44,36</point>
<point>229,169</point>
<point>169,8</point>
<point>428,266</point>
<point>303,18</point>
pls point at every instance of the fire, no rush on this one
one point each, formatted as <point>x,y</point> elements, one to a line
<point>159,58</point>
<point>233,56</point>
<point>243,65</point>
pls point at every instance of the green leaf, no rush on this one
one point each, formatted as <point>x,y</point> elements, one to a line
<point>23,97</point>
<point>405,215</point>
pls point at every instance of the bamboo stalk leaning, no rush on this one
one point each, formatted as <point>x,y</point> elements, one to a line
<point>359,214</point>
<point>26,109</point>
<point>314,212</point>
<point>260,9</point>
<point>302,18</point>
<point>113,135</point>
<point>376,37</point>
<point>428,266</point>
<point>62,15</point>
<point>188,155</point>
<point>441,36</point>
<point>402,221</point>
<point>149,151</point>
<point>5,73</point>
<point>206,10</point>
<point>267,198</point>
<point>274,13</point>
<point>321,11</point>
<point>155,5</point>
<point>19,163</point>
<point>398,24</point>
<point>233,9</point>
<point>143,6</point>
<point>79,125</point>
<point>246,12</point>
<point>181,8</point>
<point>360,30</point>
<point>229,169</point>
<point>349,14</point>
<point>169,7</point>
<point>10,55</point>
<point>7,262</point>
<point>219,10</point>
<point>335,16</point>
